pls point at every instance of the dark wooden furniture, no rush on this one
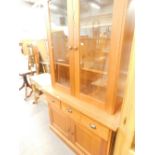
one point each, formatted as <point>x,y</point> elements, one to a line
<point>33,67</point>
<point>26,84</point>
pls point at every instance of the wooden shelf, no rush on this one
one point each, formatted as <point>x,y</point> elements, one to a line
<point>62,64</point>
<point>98,95</point>
<point>94,70</point>
<point>102,82</point>
<point>64,83</point>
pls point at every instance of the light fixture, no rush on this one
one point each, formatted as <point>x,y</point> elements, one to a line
<point>94,5</point>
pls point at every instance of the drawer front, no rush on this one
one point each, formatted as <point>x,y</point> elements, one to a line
<point>95,127</point>
<point>70,112</point>
<point>54,102</point>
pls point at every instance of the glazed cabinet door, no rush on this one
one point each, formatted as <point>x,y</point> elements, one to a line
<point>61,36</point>
<point>93,39</point>
<point>88,142</point>
<point>101,35</point>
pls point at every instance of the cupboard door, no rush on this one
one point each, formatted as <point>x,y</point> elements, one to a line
<point>59,120</point>
<point>61,38</point>
<point>94,38</point>
<point>88,142</point>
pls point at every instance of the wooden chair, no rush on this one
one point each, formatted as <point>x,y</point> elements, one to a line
<point>33,68</point>
<point>35,89</point>
<point>31,76</point>
<point>24,74</point>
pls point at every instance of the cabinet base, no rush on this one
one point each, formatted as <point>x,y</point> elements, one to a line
<point>70,144</point>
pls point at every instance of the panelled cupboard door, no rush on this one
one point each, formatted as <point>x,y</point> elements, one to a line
<point>59,120</point>
<point>89,143</point>
<point>62,41</point>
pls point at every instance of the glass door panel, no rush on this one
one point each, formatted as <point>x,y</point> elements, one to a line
<point>95,36</point>
<point>60,41</point>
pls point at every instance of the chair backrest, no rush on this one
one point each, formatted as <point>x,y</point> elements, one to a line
<point>21,46</point>
<point>36,58</point>
<point>33,58</point>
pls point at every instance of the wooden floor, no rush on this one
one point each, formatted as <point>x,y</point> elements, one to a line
<point>35,137</point>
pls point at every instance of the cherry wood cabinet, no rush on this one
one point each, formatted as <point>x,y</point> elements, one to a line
<point>89,45</point>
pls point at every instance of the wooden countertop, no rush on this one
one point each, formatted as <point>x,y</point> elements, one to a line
<point>43,81</point>
<point>108,120</point>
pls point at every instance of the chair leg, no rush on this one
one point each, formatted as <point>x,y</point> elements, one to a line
<point>22,86</point>
<point>27,85</point>
<point>30,93</point>
<point>36,99</point>
<point>25,92</point>
<point>23,83</point>
<point>35,94</point>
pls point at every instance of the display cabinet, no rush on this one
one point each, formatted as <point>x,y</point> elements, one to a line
<point>86,39</point>
<point>89,44</point>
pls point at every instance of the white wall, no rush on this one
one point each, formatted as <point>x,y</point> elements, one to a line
<point>32,23</point>
<point>14,25</point>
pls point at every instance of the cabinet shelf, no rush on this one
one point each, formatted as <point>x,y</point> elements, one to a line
<point>94,70</point>
<point>62,64</point>
<point>64,82</point>
<point>97,93</point>
<point>102,82</point>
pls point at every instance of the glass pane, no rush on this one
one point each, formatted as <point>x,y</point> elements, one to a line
<point>60,40</point>
<point>95,36</point>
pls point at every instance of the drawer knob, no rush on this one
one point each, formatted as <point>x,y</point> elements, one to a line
<point>93,126</point>
<point>53,101</point>
<point>69,110</point>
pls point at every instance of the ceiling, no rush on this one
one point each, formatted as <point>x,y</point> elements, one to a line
<point>63,2</point>
<point>30,2</point>
<point>34,2</point>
